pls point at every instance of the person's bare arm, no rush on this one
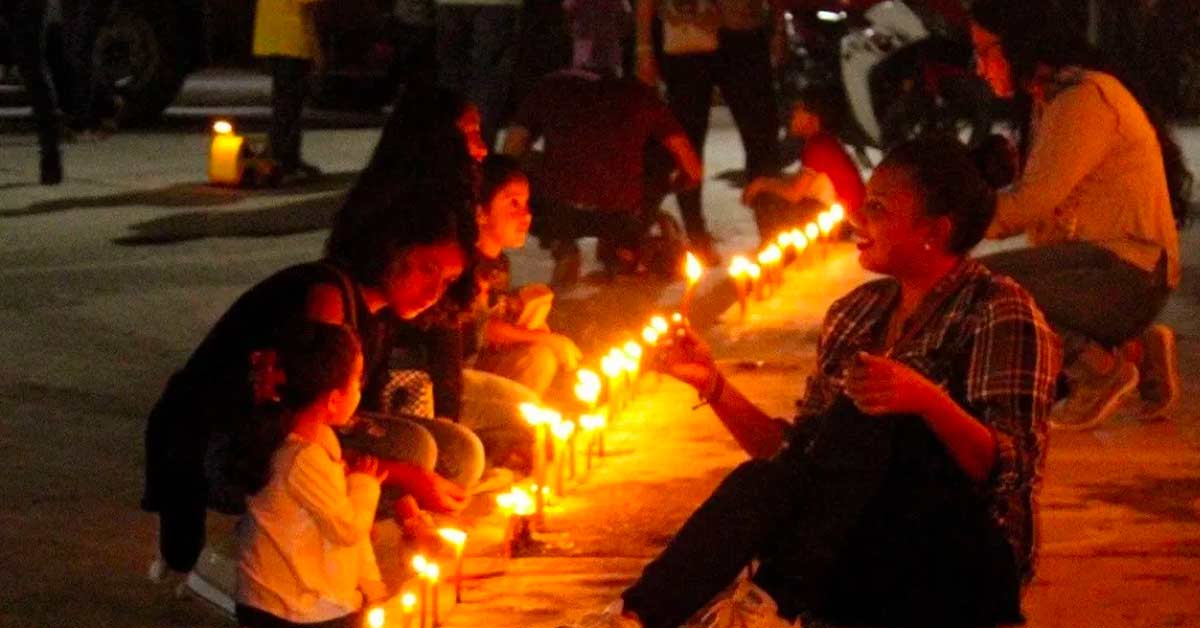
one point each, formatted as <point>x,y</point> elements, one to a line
<point>646,67</point>
<point>685,156</point>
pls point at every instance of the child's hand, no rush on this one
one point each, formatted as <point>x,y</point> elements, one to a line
<point>437,494</point>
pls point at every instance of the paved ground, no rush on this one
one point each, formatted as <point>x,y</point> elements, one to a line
<point>108,281</point>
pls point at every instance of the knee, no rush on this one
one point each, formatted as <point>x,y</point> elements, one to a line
<point>460,457</point>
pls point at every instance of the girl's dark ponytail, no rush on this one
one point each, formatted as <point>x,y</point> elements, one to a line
<point>308,360</point>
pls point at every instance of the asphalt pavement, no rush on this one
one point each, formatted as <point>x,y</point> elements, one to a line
<point>109,280</point>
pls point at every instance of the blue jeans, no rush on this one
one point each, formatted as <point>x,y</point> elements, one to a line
<point>450,449</point>
<point>476,53</point>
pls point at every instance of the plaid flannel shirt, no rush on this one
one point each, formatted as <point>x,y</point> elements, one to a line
<point>984,341</point>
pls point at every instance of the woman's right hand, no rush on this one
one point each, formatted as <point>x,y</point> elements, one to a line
<point>686,357</point>
<point>437,494</point>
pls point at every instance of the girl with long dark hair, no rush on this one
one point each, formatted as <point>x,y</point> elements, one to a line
<point>1101,192</point>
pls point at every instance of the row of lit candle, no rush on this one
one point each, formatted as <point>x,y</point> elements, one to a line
<point>761,277</point>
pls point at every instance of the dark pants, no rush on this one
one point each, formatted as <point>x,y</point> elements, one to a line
<point>250,617</point>
<point>476,52</point>
<point>26,24</point>
<point>560,222</point>
<point>90,99</point>
<point>741,68</point>
<point>289,89</point>
<point>801,514</point>
<point>1086,289</point>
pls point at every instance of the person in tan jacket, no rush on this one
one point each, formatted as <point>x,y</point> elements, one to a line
<point>284,34</point>
<point>1101,190</point>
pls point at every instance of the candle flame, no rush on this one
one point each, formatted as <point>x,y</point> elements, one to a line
<point>660,324</point>
<point>784,239</point>
<point>517,501</point>
<point>433,572</point>
<point>677,317</point>
<point>650,335</point>
<point>837,212</point>
<point>587,386</point>
<point>419,563</point>
<point>563,430</point>
<point>825,222</point>
<point>536,415</point>
<point>611,364</point>
<point>454,536</point>
<point>812,231</point>
<point>693,268</point>
<point>754,270</point>
<point>592,422</point>
<point>408,601</point>
<point>738,266</point>
<point>222,127</point>
<point>376,617</point>
<point>633,350</point>
<point>799,242</point>
<point>772,254</point>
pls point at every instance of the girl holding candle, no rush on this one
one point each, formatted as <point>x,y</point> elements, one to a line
<point>306,555</point>
<point>903,493</point>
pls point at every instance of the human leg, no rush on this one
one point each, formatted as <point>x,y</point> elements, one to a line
<point>689,80</point>
<point>533,365</point>
<point>742,70</point>
<point>1098,301</point>
<point>490,408</point>
<point>493,56</point>
<point>26,20</point>
<point>1087,289</point>
<point>460,454</point>
<point>289,88</point>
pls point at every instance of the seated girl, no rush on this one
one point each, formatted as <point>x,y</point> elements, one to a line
<point>305,545</point>
<point>903,495</point>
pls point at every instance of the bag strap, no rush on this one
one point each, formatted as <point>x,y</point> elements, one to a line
<point>349,295</point>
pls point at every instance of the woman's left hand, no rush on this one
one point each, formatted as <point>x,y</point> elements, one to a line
<point>879,386</point>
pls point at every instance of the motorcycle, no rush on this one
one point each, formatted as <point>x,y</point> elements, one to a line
<point>897,72</point>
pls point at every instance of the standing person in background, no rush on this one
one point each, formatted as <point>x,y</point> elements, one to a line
<point>706,43</point>
<point>284,34</point>
<point>27,23</point>
<point>1101,189</point>
<point>476,52</point>
<point>596,125</point>
<point>90,102</point>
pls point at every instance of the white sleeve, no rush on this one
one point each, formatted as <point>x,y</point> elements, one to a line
<point>344,510</point>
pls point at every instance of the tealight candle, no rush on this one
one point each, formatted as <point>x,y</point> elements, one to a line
<point>225,155</point>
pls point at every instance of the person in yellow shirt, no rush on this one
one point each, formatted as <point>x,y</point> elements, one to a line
<point>284,34</point>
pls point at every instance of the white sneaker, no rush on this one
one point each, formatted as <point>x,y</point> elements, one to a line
<point>1159,370</point>
<point>610,617</point>
<point>1094,397</point>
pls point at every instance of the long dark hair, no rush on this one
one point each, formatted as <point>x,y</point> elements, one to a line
<point>420,187</point>
<point>1031,33</point>
<point>308,360</point>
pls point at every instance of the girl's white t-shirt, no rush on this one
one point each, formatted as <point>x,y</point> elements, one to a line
<point>305,539</point>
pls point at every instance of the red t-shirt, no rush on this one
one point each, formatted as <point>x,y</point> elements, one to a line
<point>595,131</point>
<point>824,153</point>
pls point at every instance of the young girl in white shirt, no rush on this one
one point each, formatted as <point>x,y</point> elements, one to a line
<point>306,556</point>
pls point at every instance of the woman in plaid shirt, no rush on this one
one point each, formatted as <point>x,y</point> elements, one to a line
<point>903,494</point>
